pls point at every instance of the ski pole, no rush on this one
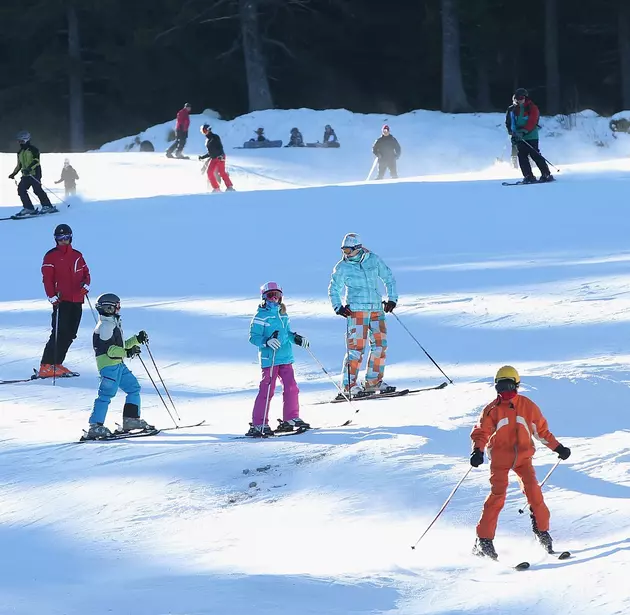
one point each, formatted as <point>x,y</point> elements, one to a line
<point>91,309</point>
<point>271,379</point>
<point>343,393</point>
<point>367,179</point>
<point>157,371</point>
<point>55,343</point>
<point>419,344</point>
<point>448,499</point>
<point>348,357</point>
<point>544,480</point>
<point>157,391</point>
<point>538,152</point>
<point>51,192</point>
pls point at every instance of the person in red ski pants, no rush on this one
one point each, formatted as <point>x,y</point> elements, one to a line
<point>216,153</point>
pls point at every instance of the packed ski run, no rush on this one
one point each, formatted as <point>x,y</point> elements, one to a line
<point>490,327</point>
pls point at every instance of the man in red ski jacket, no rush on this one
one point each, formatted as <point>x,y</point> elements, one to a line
<point>66,280</point>
<point>181,131</point>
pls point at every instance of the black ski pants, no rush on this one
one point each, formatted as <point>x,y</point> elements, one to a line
<point>384,163</point>
<point>31,182</point>
<point>179,144</point>
<point>66,318</point>
<point>527,149</point>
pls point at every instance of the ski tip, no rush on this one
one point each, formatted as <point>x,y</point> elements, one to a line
<point>522,566</point>
<point>443,385</point>
<point>564,555</point>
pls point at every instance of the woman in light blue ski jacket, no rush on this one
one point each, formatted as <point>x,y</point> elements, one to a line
<point>355,294</point>
<point>270,331</point>
<point>358,276</point>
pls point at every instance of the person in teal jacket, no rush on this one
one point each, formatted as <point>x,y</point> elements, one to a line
<point>111,349</point>
<point>522,127</point>
<point>270,331</point>
<point>355,294</point>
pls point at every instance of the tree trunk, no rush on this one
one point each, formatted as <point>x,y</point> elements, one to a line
<point>484,99</point>
<point>551,57</point>
<point>454,98</point>
<point>624,52</point>
<point>258,89</point>
<point>75,82</point>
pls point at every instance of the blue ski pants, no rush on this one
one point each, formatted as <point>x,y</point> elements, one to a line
<point>114,377</point>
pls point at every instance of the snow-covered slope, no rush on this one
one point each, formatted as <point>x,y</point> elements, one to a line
<point>535,276</point>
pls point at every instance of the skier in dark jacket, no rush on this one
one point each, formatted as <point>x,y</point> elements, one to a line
<point>28,163</point>
<point>216,154</point>
<point>387,149</point>
<point>524,133</point>
<point>69,178</point>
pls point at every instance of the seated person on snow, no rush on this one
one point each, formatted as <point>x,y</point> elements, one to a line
<point>329,135</point>
<point>296,139</point>
<point>261,135</point>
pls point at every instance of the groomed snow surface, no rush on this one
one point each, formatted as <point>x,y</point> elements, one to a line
<point>193,521</point>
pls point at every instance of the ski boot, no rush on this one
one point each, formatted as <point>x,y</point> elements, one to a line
<point>259,431</point>
<point>544,538</point>
<point>216,190</point>
<point>292,425</point>
<point>546,178</point>
<point>530,179</point>
<point>381,387</point>
<point>485,548</point>
<point>230,189</point>
<point>353,392</point>
<point>48,209</point>
<point>97,431</point>
<point>131,423</point>
<point>25,212</point>
<point>61,371</point>
<point>47,371</point>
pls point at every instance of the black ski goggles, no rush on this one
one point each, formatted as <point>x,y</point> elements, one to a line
<point>503,386</point>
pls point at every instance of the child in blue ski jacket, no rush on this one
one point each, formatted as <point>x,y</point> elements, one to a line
<point>270,332</point>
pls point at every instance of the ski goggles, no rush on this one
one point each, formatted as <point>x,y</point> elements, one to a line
<point>350,250</point>
<point>273,294</point>
<point>63,237</point>
<point>504,386</point>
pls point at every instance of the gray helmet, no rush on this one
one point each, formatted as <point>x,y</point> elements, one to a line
<point>108,304</point>
<point>24,136</point>
<point>521,93</point>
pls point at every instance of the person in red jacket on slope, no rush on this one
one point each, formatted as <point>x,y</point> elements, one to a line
<point>66,280</point>
<point>181,131</point>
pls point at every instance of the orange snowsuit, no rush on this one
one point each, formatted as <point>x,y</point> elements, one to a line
<point>507,428</point>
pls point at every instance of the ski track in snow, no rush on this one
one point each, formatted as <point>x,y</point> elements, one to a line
<point>192,521</point>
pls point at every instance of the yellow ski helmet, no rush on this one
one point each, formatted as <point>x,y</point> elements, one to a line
<point>507,372</point>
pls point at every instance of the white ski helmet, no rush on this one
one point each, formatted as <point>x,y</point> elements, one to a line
<point>269,286</point>
<point>351,240</point>
<point>24,136</point>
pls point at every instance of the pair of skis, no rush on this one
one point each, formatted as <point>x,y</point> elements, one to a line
<point>559,555</point>
<point>36,376</point>
<point>36,214</point>
<point>376,395</point>
<point>125,435</point>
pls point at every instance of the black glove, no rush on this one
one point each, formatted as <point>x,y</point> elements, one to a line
<point>389,306</point>
<point>142,337</point>
<point>201,157</point>
<point>133,351</point>
<point>12,176</point>
<point>476,458</point>
<point>344,311</point>
<point>300,340</point>
<point>564,452</point>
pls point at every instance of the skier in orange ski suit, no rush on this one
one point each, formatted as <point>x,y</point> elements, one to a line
<point>506,428</point>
